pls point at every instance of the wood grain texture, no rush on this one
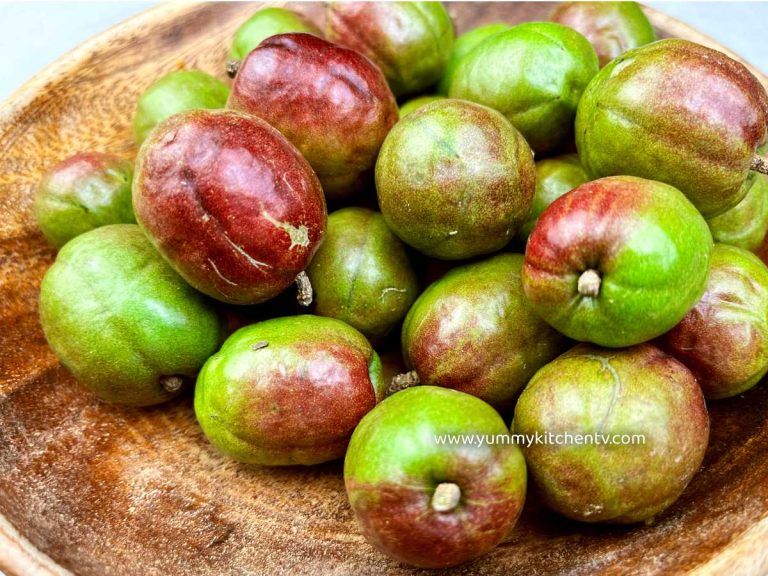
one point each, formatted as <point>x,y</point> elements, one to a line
<point>99,490</point>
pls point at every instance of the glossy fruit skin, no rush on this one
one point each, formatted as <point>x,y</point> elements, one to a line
<point>295,400</point>
<point>474,331</point>
<point>554,177</point>
<point>394,464</point>
<point>253,202</point>
<point>592,390</point>
<point>265,23</point>
<point>463,45</point>
<point>535,74</point>
<point>120,319</point>
<point>724,338</point>
<point>746,224</point>
<point>362,274</point>
<point>83,192</point>
<point>455,179</point>
<point>331,102</point>
<point>647,242</point>
<point>177,92</point>
<point>416,103</point>
<point>677,112</point>
<point>611,27</point>
<point>410,42</point>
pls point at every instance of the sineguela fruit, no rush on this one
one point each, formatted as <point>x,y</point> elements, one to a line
<point>724,338</point>
<point>677,112</point>
<point>428,503</point>
<point>418,102</point>
<point>410,41</point>
<point>473,330</point>
<point>534,73</point>
<point>617,261</point>
<point>122,321</point>
<point>288,391</point>
<point>229,203</point>
<point>361,274</point>
<point>638,429</point>
<point>746,224</point>
<point>265,23</point>
<point>83,192</point>
<point>455,179</point>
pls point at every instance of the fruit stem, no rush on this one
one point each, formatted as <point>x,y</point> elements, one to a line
<point>760,164</point>
<point>304,294</point>
<point>446,497</point>
<point>589,283</point>
<point>171,383</point>
<point>232,67</point>
<point>403,381</point>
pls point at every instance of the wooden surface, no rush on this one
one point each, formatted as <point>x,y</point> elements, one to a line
<point>98,490</point>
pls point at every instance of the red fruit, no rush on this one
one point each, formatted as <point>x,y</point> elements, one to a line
<point>331,102</point>
<point>229,203</point>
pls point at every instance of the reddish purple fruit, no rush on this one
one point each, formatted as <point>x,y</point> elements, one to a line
<point>229,203</point>
<point>331,102</point>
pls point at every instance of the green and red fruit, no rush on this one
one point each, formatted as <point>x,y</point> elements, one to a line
<point>429,503</point>
<point>611,27</point>
<point>265,23</point>
<point>331,102</point>
<point>409,41</point>
<point>122,321</point>
<point>361,274</point>
<point>288,391</point>
<point>746,224</point>
<point>535,74</point>
<point>638,429</point>
<point>473,330</point>
<point>455,180</point>
<point>416,103</point>
<point>177,92</point>
<point>83,192</point>
<point>463,45</point>
<point>229,203</point>
<point>617,261</point>
<point>554,177</point>
<point>677,112</point>
<point>724,338</point>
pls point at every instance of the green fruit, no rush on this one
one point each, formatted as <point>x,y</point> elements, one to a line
<point>611,27</point>
<point>361,273</point>
<point>746,224</point>
<point>265,23</point>
<point>534,73</point>
<point>463,45</point>
<point>455,179</point>
<point>676,112</point>
<point>177,92</point>
<point>416,103</point>
<point>617,261</point>
<point>473,330</point>
<point>429,503</point>
<point>621,432</point>
<point>724,338</point>
<point>81,193</point>
<point>554,177</point>
<point>288,391</point>
<point>410,42</point>
<point>122,321</point>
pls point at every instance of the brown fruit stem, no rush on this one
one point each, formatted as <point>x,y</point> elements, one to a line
<point>446,497</point>
<point>171,383</point>
<point>760,164</point>
<point>304,286</point>
<point>232,67</point>
<point>589,283</point>
<point>403,381</point>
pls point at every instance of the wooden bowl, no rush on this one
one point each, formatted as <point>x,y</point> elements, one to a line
<point>95,489</point>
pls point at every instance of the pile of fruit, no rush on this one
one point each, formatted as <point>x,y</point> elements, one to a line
<point>213,261</point>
